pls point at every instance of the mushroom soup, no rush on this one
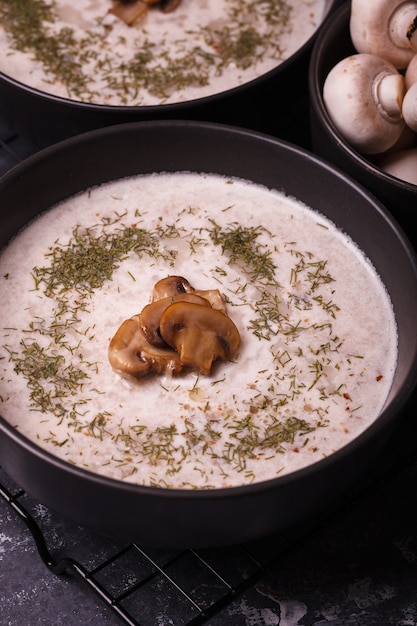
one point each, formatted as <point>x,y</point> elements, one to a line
<point>200,47</point>
<point>309,371</point>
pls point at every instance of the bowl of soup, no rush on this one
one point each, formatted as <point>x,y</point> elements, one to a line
<point>67,69</point>
<point>202,343</point>
<point>383,171</point>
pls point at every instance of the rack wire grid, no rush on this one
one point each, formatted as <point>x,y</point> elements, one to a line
<point>199,584</point>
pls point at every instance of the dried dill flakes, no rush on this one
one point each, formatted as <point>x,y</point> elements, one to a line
<point>191,69</point>
<point>249,441</point>
<point>50,379</point>
<point>274,12</point>
<point>234,441</point>
<point>242,246</point>
<point>28,22</point>
<point>91,257</point>
<point>243,48</point>
<point>23,15</point>
<point>248,33</point>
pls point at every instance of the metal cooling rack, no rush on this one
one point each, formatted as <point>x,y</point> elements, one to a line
<point>197,584</point>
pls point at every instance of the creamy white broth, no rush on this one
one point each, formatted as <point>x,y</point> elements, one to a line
<point>313,370</point>
<point>203,47</point>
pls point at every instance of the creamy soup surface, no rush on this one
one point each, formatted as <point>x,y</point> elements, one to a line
<point>313,368</point>
<point>78,50</point>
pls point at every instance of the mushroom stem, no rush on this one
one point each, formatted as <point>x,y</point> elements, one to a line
<point>388,90</point>
<point>402,25</point>
<point>412,34</point>
<point>196,353</point>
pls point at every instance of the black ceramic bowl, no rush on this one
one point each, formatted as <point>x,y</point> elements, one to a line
<point>333,44</point>
<point>271,103</point>
<point>173,517</point>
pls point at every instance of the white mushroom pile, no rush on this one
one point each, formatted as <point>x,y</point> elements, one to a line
<point>371,96</point>
<point>180,328</point>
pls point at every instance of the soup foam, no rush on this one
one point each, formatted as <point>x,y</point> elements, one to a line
<point>313,370</point>
<point>79,51</point>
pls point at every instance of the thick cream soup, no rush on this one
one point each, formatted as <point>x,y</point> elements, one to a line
<point>78,50</point>
<point>313,368</point>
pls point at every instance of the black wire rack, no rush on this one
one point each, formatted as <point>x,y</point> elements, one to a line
<point>134,581</point>
<point>198,584</point>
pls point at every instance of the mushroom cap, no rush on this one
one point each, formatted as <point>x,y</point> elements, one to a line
<point>171,286</point>
<point>363,96</point>
<point>411,73</point>
<point>214,297</point>
<point>129,12</point>
<point>409,108</point>
<point>201,335</point>
<point>150,316</point>
<point>132,356</point>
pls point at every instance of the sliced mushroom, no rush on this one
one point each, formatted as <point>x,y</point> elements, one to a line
<point>150,316</point>
<point>133,357</point>
<point>363,95</point>
<point>214,297</point>
<point>200,335</point>
<point>129,11</point>
<point>171,286</point>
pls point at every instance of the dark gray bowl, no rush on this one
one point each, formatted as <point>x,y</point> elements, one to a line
<point>333,43</point>
<point>180,518</point>
<point>271,103</point>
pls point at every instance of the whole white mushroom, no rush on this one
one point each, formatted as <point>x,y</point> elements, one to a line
<point>386,28</point>
<point>363,95</point>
